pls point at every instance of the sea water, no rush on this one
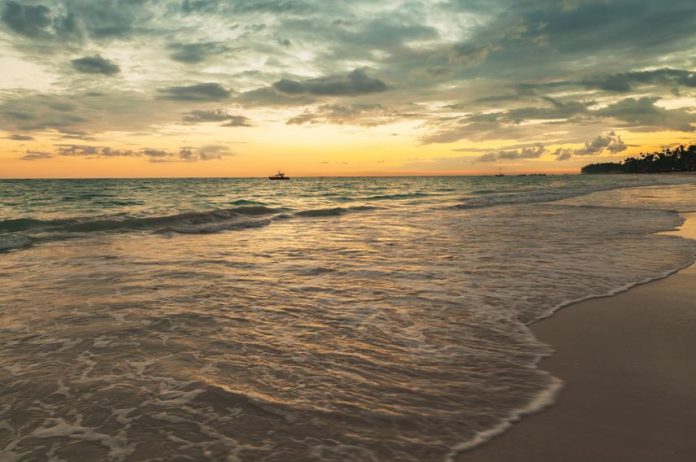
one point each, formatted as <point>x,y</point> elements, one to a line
<point>335,319</point>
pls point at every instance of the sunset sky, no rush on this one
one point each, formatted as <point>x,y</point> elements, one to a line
<point>104,88</point>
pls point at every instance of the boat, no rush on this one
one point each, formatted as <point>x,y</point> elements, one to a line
<point>501,172</point>
<point>279,176</point>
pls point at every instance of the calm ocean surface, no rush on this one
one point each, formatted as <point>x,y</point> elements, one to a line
<point>341,319</point>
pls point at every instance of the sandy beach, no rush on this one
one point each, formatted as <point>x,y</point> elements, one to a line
<point>628,364</point>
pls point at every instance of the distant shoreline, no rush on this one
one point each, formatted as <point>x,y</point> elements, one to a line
<point>679,160</point>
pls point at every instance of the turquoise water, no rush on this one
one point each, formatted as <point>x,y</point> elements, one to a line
<point>334,319</point>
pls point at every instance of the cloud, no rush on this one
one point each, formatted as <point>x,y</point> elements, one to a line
<point>365,114</point>
<point>197,92</point>
<point>642,113</point>
<point>470,54</point>
<point>356,82</point>
<point>623,82</point>
<point>36,155</point>
<point>183,154</point>
<point>27,20</point>
<point>611,142</point>
<point>83,113</point>
<point>475,127</point>
<point>529,152</point>
<point>194,53</point>
<point>218,115</point>
<point>503,124</point>
<point>207,152</point>
<point>95,65</point>
<point>74,22</point>
<point>18,137</point>
<point>270,97</point>
<point>110,152</point>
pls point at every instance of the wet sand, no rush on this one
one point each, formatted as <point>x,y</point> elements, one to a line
<point>628,364</point>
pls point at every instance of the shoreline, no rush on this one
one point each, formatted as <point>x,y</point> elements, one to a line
<point>627,377</point>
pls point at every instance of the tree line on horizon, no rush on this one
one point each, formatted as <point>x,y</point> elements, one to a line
<point>679,159</point>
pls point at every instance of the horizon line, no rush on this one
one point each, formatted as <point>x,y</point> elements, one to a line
<point>292,177</point>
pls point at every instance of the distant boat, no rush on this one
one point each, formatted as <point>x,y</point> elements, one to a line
<point>279,176</point>
<point>501,172</point>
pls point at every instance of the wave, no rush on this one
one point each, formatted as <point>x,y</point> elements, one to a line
<point>19,224</point>
<point>247,202</point>
<point>215,227</point>
<point>386,197</point>
<point>334,211</point>
<point>488,198</point>
<point>235,218</point>
<point>92,224</point>
<point>14,241</point>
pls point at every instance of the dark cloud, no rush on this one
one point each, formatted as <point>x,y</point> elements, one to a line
<point>36,155</point>
<point>198,6</point>
<point>207,152</point>
<point>95,65</point>
<point>563,153</point>
<point>365,114</point>
<point>28,20</point>
<point>642,113</point>
<point>218,115</point>
<point>390,32</point>
<point>611,143</point>
<point>194,53</point>
<point>156,153</point>
<point>63,106</point>
<point>624,81</point>
<point>198,92</point>
<point>356,82</point>
<point>528,152</point>
<point>271,6</point>
<point>237,121</point>
<point>72,22</point>
<point>469,54</point>
<point>23,120</point>
<point>226,7</point>
<point>18,115</point>
<point>476,128</point>
<point>558,110</point>
<point>18,137</point>
<point>184,154</point>
<point>109,152</point>
<point>504,124</point>
<point>270,97</point>
<point>82,114</point>
<point>77,150</point>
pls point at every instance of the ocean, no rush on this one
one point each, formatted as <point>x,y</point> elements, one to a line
<point>332,319</point>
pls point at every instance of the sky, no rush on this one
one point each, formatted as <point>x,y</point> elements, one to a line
<point>155,88</point>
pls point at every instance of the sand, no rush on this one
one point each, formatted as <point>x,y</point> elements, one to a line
<point>628,364</point>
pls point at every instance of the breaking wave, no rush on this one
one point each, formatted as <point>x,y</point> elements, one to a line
<point>249,215</point>
<point>333,211</point>
<point>14,241</point>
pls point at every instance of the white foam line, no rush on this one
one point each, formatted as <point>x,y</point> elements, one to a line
<point>542,400</point>
<point>546,397</point>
